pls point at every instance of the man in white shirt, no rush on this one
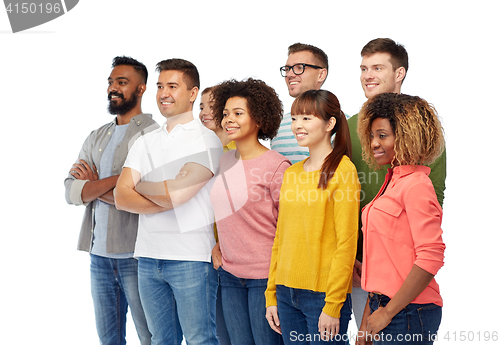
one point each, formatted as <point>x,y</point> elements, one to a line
<point>175,237</point>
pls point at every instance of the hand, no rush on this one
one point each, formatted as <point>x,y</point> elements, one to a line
<point>328,327</point>
<point>356,274</point>
<point>377,321</point>
<point>273,319</point>
<point>82,171</point>
<point>217,256</point>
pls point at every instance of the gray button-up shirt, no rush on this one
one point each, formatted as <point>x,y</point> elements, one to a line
<point>122,226</point>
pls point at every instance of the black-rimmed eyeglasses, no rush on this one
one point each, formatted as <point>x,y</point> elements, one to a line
<point>298,68</point>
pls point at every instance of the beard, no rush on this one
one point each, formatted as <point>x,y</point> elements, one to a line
<point>125,106</point>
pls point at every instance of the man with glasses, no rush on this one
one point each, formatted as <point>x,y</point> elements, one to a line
<point>305,69</point>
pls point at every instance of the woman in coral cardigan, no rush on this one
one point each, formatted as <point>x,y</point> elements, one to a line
<point>310,277</point>
<point>403,248</point>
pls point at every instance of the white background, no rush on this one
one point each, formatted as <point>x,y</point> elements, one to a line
<point>53,93</point>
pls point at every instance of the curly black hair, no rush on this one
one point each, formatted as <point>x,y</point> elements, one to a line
<point>264,105</point>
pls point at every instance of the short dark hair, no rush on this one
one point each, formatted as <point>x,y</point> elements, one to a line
<point>398,53</point>
<point>318,54</point>
<point>264,105</point>
<point>139,67</point>
<point>188,69</point>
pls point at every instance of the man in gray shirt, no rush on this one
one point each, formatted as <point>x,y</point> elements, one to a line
<point>107,234</point>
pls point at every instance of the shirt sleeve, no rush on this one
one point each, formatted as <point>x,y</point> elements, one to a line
<point>438,176</point>
<point>73,187</point>
<point>207,151</point>
<point>424,217</point>
<point>345,215</point>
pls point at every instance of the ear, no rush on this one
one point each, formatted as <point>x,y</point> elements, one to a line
<point>400,74</point>
<point>142,89</point>
<point>194,94</point>
<point>322,76</point>
<point>331,124</point>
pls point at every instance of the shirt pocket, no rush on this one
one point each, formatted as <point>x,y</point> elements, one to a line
<point>389,218</point>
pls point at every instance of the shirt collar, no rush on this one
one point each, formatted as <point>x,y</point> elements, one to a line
<point>185,126</point>
<point>403,170</point>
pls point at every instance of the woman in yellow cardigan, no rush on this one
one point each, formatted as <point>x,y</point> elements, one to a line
<point>308,292</point>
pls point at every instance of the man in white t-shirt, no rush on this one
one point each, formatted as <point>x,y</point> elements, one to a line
<point>306,69</point>
<point>175,236</point>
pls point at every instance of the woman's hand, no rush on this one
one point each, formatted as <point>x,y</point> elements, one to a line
<point>217,256</point>
<point>328,326</point>
<point>273,319</point>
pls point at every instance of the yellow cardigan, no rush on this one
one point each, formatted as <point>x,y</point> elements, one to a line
<point>316,235</point>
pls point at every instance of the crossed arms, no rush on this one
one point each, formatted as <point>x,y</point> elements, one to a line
<point>134,196</point>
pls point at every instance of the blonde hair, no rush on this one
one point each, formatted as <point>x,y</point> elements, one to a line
<point>419,137</point>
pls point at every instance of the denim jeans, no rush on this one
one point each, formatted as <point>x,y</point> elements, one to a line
<point>179,297</point>
<point>415,324</point>
<point>114,287</point>
<point>299,311</point>
<point>222,334</point>
<point>244,307</point>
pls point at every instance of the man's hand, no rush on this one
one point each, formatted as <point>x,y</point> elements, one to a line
<point>82,171</point>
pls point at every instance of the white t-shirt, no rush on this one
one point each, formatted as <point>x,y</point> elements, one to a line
<point>186,232</point>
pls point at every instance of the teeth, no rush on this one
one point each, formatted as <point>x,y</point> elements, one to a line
<point>294,82</point>
<point>300,135</point>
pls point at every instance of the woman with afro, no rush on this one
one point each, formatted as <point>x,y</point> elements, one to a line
<point>245,197</point>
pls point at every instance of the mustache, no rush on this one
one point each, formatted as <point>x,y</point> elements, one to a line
<point>114,93</point>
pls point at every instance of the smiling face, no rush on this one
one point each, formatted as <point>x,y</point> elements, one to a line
<point>173,96</point>
<point>310,130</point>
<point>237,122</point>
<point>311,79</point>
<point>382,141</point>
<point>378,75</point>
<point>206,114</point>
<point>124,89</point>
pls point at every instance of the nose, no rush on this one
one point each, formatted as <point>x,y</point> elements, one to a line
<point>367,75</point>
<point>163,93</point>
<point>374,143</point>
<point>290,73</point>
<point>112,87</point>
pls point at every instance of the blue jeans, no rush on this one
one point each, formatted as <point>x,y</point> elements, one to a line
<point>415,324</point>
<point>244,307</point>
<point>179,297</point>
<point>114,287</point>
<point>299,311</point>
<point>220,321</point>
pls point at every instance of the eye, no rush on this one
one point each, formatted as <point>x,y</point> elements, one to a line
<point>224,114</point>
<point>293,118</point>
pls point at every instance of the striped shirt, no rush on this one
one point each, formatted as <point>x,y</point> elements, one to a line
<point>286,144</point>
